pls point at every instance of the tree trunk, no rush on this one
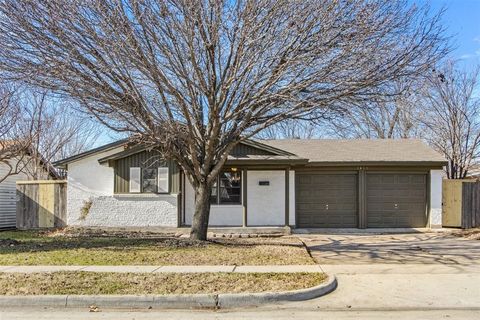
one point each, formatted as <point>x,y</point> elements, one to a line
<point>202,212</point>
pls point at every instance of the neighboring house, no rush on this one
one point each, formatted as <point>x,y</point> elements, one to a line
<point>300,183</point>
<point>8,188</point>
<point>8,197</point>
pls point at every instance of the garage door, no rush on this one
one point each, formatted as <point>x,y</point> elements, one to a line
<point>326,200</point>
<point>396,200</point>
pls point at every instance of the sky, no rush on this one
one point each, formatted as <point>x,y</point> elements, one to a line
<point>462,21</point>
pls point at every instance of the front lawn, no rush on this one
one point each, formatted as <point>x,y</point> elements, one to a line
<point>84,283</point>
<point>41,248</point>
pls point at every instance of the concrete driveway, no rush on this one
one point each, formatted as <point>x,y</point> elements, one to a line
<point>419,271</point>
<point>435,248</point>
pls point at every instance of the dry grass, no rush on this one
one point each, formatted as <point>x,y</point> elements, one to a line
<point>471,234</point>
<point>36,248</point>
<point>171,283</point>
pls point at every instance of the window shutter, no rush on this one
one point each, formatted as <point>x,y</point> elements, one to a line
<point>163,180</point>
<point>135,179</point>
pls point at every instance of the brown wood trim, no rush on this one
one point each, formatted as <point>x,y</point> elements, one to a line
<point>368,168</point>
<point>180,201</point>
<point>316,169</point>
<point>362,199</point>
<point>265,163</point>
<point>295,186</point>
<point>259,168</point>
<point>41,182</point>
<point>430,164</point>
<point>326,171</point>
<point>184,182</point>
<point>401,169</point>
<point>422,172</point>
<point>244,200</point>
<point>429,181</point>
<point>287,197</point>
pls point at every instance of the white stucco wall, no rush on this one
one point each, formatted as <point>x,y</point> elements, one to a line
<point>266,204</point>
<point>132,211</point>
<point>90,181</point>
<point>436,177</point>
<point>220,215</point>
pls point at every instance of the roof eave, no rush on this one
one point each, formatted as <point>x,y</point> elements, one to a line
<point>434,163</point>
<point>121,154</point>
<point>266,162</point>
<point>64,162</point>
<point>266,147</point>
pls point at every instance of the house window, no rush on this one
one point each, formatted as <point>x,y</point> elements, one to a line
<point>227,189</point>
<point>148,180</point>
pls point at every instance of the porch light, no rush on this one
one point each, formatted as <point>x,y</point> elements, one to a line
<point>236,177</point>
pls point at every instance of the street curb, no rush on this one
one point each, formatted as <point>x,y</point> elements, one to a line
<point>174,301</point>
<point>231,300</point>
<point>180,301</point>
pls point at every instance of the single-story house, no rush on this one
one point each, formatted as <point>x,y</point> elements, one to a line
<point>296,183</point>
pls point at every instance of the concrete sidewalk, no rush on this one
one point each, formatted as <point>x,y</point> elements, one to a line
<point>327,268</point>
<point>163,269</point>
<point>399,269</point>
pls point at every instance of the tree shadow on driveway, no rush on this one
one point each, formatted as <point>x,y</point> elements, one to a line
<point>422,248</point>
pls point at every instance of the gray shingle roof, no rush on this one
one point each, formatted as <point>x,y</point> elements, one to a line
<point>359,150</point>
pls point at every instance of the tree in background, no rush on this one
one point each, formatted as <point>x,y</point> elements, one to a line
<point>383,119</point>
<point>452,117</point>
<point>15,134</point>
<point>392,117</point>
<point>35,131</point>
<point>291,129</point>
<point>443,108</point>
<point>59,131</point>
<point>192,79</point>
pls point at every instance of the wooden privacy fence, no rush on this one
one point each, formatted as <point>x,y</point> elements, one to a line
<point>461,203</point>
<point>41,204</point>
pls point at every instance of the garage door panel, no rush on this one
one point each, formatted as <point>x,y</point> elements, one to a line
<point>419,179</point>
<point>396,200</point>
<point>403,179</point>
<point>326,200</point>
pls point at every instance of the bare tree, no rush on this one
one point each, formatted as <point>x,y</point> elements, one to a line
<point>392,117</point>
<point>35,131</point>
<point>291,129</point>
<point>60,131</point>
<point>15,133</point>
<point>453,117</point>
<point>194,78</point>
